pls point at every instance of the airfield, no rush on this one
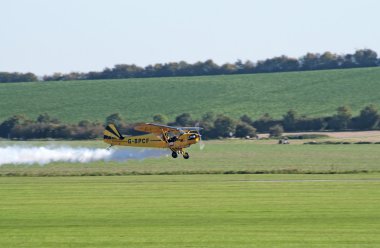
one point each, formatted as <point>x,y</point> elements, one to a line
<point>191,211</point>
<point>234,193</point>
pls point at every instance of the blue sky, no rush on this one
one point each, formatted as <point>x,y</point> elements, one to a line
<point>44,36</point>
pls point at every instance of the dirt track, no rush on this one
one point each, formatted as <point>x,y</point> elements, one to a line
<point>354,135</point>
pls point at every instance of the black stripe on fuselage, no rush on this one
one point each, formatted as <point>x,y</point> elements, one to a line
<point>113,132</point>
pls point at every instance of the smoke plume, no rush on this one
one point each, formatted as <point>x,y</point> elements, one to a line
<point>48,154</point>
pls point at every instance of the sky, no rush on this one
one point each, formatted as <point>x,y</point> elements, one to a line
<point>45,36</point>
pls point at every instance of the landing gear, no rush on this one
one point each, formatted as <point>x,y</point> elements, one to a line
<point>186,155</point>
<point>174,154</point>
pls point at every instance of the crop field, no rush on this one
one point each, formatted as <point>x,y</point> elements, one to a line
<point>139,99</point>
<point>218,157</point>
<point>191,211</point>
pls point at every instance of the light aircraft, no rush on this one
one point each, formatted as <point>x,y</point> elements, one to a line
<point>159,136</point>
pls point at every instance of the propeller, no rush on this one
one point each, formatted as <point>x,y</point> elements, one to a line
<point>201,143</point>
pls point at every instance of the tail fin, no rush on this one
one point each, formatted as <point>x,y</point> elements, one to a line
<point>111,132</point>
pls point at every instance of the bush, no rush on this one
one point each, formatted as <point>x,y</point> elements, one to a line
<point>342,119</point>
<point>307,136</point>
<point>160,119</point>
<point>369,118</point>
<point>289,120</point>
<point>8,125</point>
<point>184,120</point>
<point>310,124</point>
<point>46,118</point>
<point>276,131</point>
<point>224,126</point>
<point>208,131</point>
<point>246,119</point>
<point>265,122</point>
<point>114,119</point>
<point>243,130</point>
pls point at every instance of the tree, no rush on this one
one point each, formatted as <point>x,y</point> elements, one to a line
<point>46,118</point>
<point>224,126</point>
<point>209,117</point>
<point>289,120</point>
<point>210,68</point>
<point>276,131</point>
<point>348,61</point>
<point>207,123</point>
<point>57,76</point>
<point>160,119</point>
<point>184,120</point>
<point>342,119</point>
<point>277,64</point>
<point>328,60</point>
<point>369,117</point>
<point>208,130</point>
<point>7,126</point>
<point>264,123</point>
<point>249,67</point>
<point>84,123</point>
<point>365,57</point>
<point>126,71</point>
<point>310,61</point>
<point>246,119</point>
<point>6,77</point>
<point>311,124</point>
<point>114,119</point>
<point>243,130</point>
<point>228,68</point>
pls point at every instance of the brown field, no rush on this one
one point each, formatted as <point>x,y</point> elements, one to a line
<point>353,136</point>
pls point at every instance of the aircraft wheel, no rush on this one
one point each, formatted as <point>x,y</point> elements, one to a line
<point>174,154</point>
<point>186,155</point>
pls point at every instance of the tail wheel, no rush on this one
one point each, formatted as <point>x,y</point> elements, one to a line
<point>186,155</point>
<point>174,154</point>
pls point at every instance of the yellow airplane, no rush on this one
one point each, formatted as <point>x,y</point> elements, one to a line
<point>160,136</point>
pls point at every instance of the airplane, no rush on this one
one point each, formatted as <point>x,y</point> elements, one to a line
<point>159,136</point>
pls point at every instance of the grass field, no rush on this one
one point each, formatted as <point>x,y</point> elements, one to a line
<point>191,211</point>
<point>218,157</point>
<point>139,99</point>
<point>335,206</point>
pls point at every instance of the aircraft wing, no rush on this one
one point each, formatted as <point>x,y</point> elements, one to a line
<point>190,128</point>
<point>154,128</point>
<point>158,128</point>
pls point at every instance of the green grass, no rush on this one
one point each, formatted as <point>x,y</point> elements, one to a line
<point>314,93</point>
<point>219,157</point>
<point>191,211</point>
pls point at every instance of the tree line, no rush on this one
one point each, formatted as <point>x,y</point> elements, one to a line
<point>16,77</point>
<point>310,61</point>
<point>214,125</point>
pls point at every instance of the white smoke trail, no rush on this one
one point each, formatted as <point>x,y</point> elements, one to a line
<point>44,155</point>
